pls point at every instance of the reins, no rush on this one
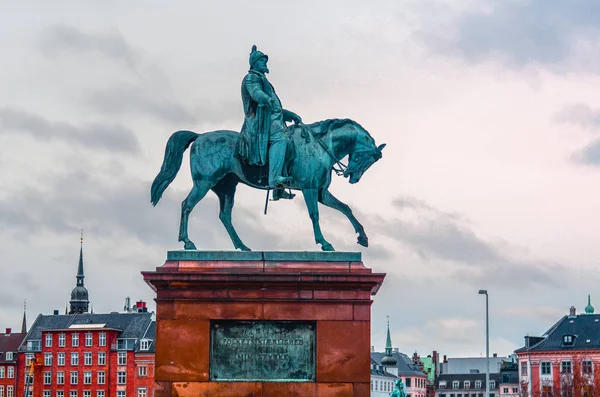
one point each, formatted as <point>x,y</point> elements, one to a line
<point>342,168</point>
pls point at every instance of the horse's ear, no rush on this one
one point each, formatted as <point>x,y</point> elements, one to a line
<point>380,147</point>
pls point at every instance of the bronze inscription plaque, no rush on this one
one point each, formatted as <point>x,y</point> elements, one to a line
<point>262,351</point>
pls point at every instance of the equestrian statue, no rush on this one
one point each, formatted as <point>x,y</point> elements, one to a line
<point>270,155</point>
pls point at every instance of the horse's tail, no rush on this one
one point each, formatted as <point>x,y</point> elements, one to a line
<point>176,145</point>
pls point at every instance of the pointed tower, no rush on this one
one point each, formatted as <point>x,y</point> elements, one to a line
<point>79,296</point>
<point>24,324</point>
<point>589,309</point>
<point>388,360</point>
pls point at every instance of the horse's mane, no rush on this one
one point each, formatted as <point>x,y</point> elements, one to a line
<point>321,128</point>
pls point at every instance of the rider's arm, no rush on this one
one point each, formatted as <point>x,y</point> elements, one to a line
<point>288,115</point>
<point>254,87</point>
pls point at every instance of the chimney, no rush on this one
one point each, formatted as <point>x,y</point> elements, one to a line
<point>8,331</point>
<point>396,350</point>
<point>56,312</point>
<point>445,359</point>
<point>495,355</point>
<point>572,311</point>
<point>372,349</point>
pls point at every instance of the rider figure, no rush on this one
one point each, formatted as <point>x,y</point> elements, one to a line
<point>264,131</point>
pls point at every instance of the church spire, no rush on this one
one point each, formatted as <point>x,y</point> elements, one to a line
<point>79,296</point>
<point>389,359</point>
<point>24,324</point>
<point>589,309</point>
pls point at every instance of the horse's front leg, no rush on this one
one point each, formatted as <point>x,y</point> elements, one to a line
<point>312,204</point>
<point>328,199</point>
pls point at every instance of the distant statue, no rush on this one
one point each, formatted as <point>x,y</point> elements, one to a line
<point>399,389</point>
<point>269,154</point>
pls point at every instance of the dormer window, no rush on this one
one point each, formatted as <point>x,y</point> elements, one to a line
<point>145,344</point>
<point>442,384</point>
<point>9,356</point>
<point>568,340</point>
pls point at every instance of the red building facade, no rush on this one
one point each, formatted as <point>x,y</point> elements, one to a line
<point>9,370</point>
<point>89,355</point>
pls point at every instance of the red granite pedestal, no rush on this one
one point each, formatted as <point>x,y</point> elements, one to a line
<point>333,290</point>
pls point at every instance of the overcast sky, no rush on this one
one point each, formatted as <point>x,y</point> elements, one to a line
<point>490,178</point>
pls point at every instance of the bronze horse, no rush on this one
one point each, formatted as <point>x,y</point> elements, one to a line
<point>215,167</point>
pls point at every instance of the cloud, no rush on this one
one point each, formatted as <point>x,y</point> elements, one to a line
<point>589,155</point>
<point>522,31</point>
<point>545,314</point>
<point>65,38</point>
<point>155,103</point>
<point>437,235</point>
<point>579,114</point>
<point>111,137</point>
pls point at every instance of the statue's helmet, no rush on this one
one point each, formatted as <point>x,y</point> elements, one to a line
<point>255,55</point>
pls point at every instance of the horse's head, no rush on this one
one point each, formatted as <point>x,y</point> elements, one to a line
<point>364,155</point>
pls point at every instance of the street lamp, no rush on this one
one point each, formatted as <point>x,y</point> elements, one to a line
<point>487,343</point>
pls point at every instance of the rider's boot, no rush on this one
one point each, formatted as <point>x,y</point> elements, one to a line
<point>281,193</point>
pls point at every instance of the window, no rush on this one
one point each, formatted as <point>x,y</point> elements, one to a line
<point>515,389</point>
<point>61,359</point>
<point>467,384</point>
<point>523,368</point>
<point>568,340</point>
<point>145,344</point>
<point>565,367</point>
<point>60,393</point>
<point>478,384</point>
<point>1,391</point>
<point>408,382</point>
<point>10,372</point>
<point>47,393</point>
<point>48,340</point>
<point>102,340</point>
<point>142,392</point>
<point>87,393</point>
<point>547,391</point>
<point>47,378</point>
<point>74,377</point>
<point>9,391</point>
<point>73,393</point>
<point>29,359</point>
<point>505,390</point>
<point>1,372</point>
<point>61,340</point>
<point>28,379</point>
<point>9,356</point>
<point>101,377</point>
<point>101,358</point>
<point>87,358</point>
<point>442,384</point>
<point>121,378</point>
<point>100,393</point>
<point>87,378</point>
<point>122,358</point>
<point>88,339</point>
<point>546,368</point>
<point>492,385</point>
<point>586,368</point>
<point>47,359</point>
<point>75,340</point>
<point>455,384</point>
<point>74,358</point>
<point>142,371</point>
<point>120,393</point>
<point>60,378</point>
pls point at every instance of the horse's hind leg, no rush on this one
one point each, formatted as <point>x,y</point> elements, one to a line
<point>225,190</point>
<point>197,193</point>
<point>328,199</point>
<point>310,197</point>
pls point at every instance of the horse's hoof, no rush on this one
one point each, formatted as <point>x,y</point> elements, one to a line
<point>189,246</point>
<point>327,247</point>
<point>363,240</point>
